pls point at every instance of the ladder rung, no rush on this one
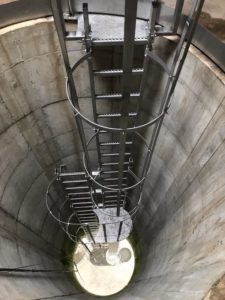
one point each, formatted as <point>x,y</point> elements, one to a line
<point>88,217</point>
<point>111,197</point>
<point>81,207</point>
<point>115,115</point>
<point>113,179</point>
<point>82,203</point>
<point>80,198</point>
<point>76,188</point>
<point>113,154</point>
<point>78,194</point>
<point>112,205</point>
<point>115,143</point>
<point>85,214</point>
<point>113,202</point>
<point>116,96</point>
<point>115,72</point>
<point>72,174</point>
<point>108,96</point>
<point>114,42</point>
<point>114,172</point>
<point>74,181</point>
<point>114,164</point>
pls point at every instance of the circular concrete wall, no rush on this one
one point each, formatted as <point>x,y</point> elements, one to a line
<point>181,222</point>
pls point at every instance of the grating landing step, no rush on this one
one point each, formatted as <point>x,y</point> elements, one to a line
<point>119,41</point>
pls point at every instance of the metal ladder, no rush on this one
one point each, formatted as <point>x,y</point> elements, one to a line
<point>115,157</point>
<point>110,186</point>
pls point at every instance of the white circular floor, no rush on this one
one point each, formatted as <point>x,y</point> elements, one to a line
<point>103,273</point>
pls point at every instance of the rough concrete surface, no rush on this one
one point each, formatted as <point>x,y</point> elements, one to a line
<point>212,16</point>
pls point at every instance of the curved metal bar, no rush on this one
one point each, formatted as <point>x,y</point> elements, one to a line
<point>82,59</point>
<point>72,236</point>
<point>51,213</point>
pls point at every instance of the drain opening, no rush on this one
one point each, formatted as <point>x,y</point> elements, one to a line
<point>106,269</point>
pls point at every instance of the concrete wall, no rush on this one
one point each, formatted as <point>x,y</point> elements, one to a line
<point>181,221</point>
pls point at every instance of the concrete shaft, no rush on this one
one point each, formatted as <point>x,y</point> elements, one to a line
<point>181,222</point>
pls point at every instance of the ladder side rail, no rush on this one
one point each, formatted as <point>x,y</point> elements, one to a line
<point>128,56</point>
<point>177,15</point>
<point>87,31</point>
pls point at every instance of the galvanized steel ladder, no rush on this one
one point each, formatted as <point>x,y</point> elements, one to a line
<point>109,185</point>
